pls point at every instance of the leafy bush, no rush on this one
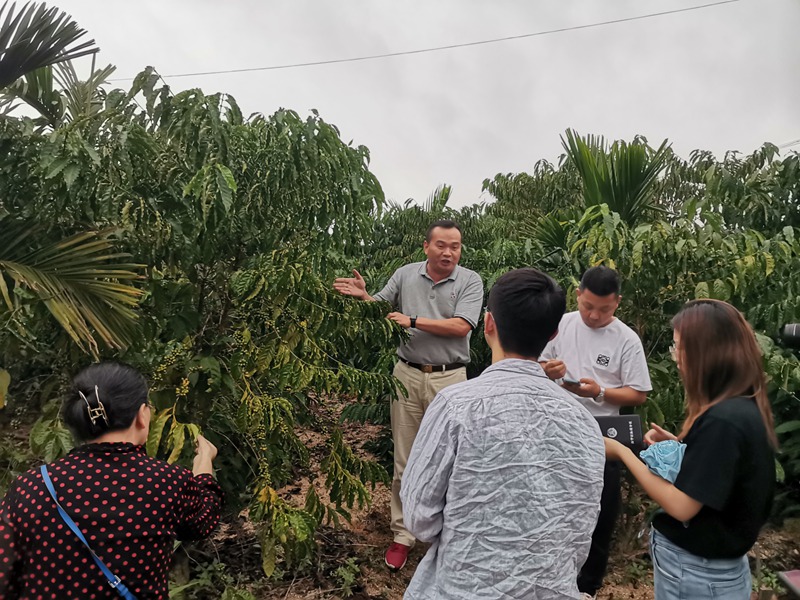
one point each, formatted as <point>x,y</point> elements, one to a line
<point>231,230</point>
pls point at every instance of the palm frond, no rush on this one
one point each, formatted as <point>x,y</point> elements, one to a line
<point>36,90</point>
<point>73,99</point>
<point>552,233</point>
<point>82,98</point>
<point>437,201</point>
<point>36,37</point>
<point>623,176</point>
<point>81,281</point>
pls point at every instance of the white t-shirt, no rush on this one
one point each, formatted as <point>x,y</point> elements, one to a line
<point>613,356</point>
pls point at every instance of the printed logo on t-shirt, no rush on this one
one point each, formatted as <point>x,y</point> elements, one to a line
<point>603,360</point>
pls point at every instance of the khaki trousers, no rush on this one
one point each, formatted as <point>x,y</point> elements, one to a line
<point>406,413</point>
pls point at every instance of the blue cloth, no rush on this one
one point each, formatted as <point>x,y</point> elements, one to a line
<point>664,458</point>
<point>679,574</point>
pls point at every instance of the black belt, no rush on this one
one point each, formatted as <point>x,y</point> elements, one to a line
<point>433,368</point>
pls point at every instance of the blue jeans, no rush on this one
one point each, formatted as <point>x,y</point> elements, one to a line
<point>681,575</point>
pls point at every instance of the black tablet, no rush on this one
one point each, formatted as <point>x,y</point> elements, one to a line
<point>626,429</point>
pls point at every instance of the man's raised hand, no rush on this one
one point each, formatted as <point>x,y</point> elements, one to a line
<point>352,286</point>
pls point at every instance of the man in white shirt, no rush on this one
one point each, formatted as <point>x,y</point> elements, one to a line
<point>606,357</point>
<point>506,472</point>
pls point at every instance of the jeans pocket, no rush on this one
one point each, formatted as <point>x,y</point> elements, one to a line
<point>715,583</point>
<point>665,562</point>
<point>735,589</point>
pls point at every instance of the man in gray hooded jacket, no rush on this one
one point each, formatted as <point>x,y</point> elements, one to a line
<point>505,475</point>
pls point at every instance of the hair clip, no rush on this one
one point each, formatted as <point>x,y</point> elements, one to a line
<point>95,413</point>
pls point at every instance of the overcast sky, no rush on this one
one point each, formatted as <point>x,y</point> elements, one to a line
<point>719,78</point>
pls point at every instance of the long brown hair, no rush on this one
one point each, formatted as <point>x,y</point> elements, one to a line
<point>720,359</point>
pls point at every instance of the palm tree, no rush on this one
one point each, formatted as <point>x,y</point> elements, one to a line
<point>623,176</point>
<point>71,100</point>
<point>80,280</point>
<point>36,37</point>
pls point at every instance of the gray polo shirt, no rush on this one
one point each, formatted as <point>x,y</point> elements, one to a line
<point>412,292</point>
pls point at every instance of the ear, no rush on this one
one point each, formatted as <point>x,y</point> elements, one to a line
<point>578,292</point>
<point>425,246</point>
<point>142,420</point>
<point>489,326</point>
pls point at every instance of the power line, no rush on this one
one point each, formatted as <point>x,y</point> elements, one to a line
<point>440,48</point>
<point>789,144</point>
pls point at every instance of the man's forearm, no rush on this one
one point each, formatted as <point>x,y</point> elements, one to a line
<point>624,396</point>
<point>455,327</point>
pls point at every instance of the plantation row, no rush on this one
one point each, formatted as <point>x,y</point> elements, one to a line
<point>171,232</point>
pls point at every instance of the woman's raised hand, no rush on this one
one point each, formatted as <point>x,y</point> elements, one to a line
<point>205,448</point>
<point>205,453</point>
<point>658,434</point>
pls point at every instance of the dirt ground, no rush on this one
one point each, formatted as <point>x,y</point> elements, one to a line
<point>366,538</point>
<point>358,548</point>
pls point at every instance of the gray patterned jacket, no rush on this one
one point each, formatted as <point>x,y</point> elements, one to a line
<point>504,479</point>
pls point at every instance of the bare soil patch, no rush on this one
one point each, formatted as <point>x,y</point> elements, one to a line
<point>358,547</point>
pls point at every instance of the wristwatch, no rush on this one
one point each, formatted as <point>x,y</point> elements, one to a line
<point>413,322</point>
<point>601,396</point>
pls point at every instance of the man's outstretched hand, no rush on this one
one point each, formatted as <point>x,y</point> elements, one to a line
<point>352,286</point>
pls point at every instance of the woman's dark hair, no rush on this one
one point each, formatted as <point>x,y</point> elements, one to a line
<point>122,391</point>
<point>601,281</point>
<point>527,306</point>
<point>719,359</point>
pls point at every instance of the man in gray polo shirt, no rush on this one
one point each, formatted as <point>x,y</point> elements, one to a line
<point>439,303</point>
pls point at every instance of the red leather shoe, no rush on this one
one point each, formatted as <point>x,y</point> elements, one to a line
<point>396,556</point>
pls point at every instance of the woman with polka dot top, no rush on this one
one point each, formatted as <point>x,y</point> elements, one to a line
<point>129,507</point>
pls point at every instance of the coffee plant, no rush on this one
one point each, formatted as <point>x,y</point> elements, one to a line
<point>170,231</point>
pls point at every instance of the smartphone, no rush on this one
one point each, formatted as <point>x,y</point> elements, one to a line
<point>572,381</point>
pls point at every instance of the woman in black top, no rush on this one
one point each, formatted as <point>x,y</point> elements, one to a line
<point>712,514</point>
<point>129,507</point>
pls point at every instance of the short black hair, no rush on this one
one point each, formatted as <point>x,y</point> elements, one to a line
<point>527,306</point>
<point>121,389</point>
<point>601,281</point>
<point>444,224</point>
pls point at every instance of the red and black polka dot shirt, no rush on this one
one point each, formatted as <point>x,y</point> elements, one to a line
<point>130,508</point>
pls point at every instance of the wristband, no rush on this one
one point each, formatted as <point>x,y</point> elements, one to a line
<point>413,323</point>
<point>602,395</point>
